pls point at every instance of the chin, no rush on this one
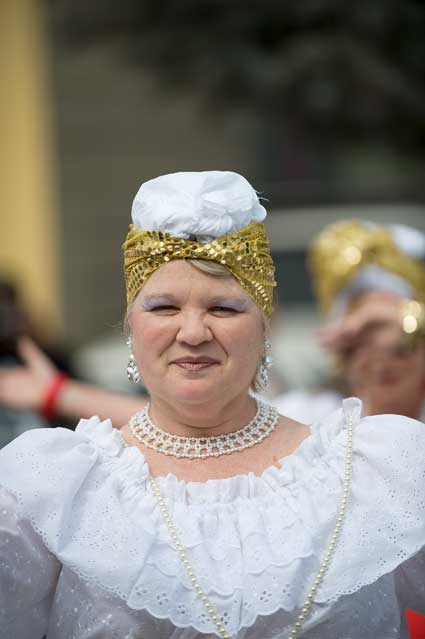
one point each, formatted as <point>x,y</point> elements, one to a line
<point>196,391</point>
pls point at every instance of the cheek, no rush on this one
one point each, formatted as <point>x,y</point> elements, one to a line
<point>150,335</point>
<point>244,341</point>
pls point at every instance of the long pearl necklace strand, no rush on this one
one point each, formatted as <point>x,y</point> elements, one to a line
<point>324,565</point>
<point>260,427</point>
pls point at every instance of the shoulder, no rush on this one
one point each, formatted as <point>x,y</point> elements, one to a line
<point>392,435</point>
<point>387,449</point>
<point>376,430</point>
<point>42,442</point>
<point>390,449</point>
<point>394,424</point>
<point>55,457</point>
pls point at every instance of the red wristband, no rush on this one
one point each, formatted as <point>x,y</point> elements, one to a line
<point>48,404</point>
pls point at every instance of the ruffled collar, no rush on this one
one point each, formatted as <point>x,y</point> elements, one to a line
<point>289,470</point>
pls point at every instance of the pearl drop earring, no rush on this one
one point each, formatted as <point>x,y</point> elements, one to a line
<point>132,370</point>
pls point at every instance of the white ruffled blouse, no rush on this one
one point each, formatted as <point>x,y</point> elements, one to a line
<point>85,553</point>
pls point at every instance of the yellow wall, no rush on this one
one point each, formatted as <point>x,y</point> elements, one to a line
<point>28,226</point>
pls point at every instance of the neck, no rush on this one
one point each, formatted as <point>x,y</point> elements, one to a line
<point>201,420</point>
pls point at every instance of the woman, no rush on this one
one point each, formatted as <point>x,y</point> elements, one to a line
<point>209,514</point>
<point>370,285</point>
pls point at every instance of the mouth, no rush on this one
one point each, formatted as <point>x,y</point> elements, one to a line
<point>195,363</point>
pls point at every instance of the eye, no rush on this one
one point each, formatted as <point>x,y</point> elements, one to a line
<point>224,310</point>
<point>166,309</point>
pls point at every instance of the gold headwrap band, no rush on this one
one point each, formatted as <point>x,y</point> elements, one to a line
<point>343,248</point>
<point>244,253</point>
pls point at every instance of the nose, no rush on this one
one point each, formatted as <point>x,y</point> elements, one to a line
<point>193,330</point>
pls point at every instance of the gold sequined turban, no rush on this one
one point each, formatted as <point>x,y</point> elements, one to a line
<point>343,248</point>
<point>244,253</point>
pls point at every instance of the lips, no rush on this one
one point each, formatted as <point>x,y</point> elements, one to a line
<point>194,363</point>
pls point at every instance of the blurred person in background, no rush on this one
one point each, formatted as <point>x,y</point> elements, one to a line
<point>13,325</point>
<point>370,284</point>
<point>37,384</point>
<point>32,371</point>
<point>210,514</point>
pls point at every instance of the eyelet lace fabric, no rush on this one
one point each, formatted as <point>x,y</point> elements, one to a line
<point>255,542</point>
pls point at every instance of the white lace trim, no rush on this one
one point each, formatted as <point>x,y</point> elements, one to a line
<point>255,542</point>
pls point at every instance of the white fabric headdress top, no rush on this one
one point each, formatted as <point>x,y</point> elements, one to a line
<point>197,205</point>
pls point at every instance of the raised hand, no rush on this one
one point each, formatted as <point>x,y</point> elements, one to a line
<point>24,387</point>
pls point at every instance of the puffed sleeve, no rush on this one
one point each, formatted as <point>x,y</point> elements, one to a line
<point>40,471</point>
<point>28,574</point>
<point>384,527</point>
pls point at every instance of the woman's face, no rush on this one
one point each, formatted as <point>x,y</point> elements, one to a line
<point>388,378</point>
<point>196,337</point>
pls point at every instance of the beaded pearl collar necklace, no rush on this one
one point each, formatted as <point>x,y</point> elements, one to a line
<point>149,434</point>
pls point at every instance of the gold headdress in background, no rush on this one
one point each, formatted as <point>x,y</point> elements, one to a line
<point>343,248</point>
